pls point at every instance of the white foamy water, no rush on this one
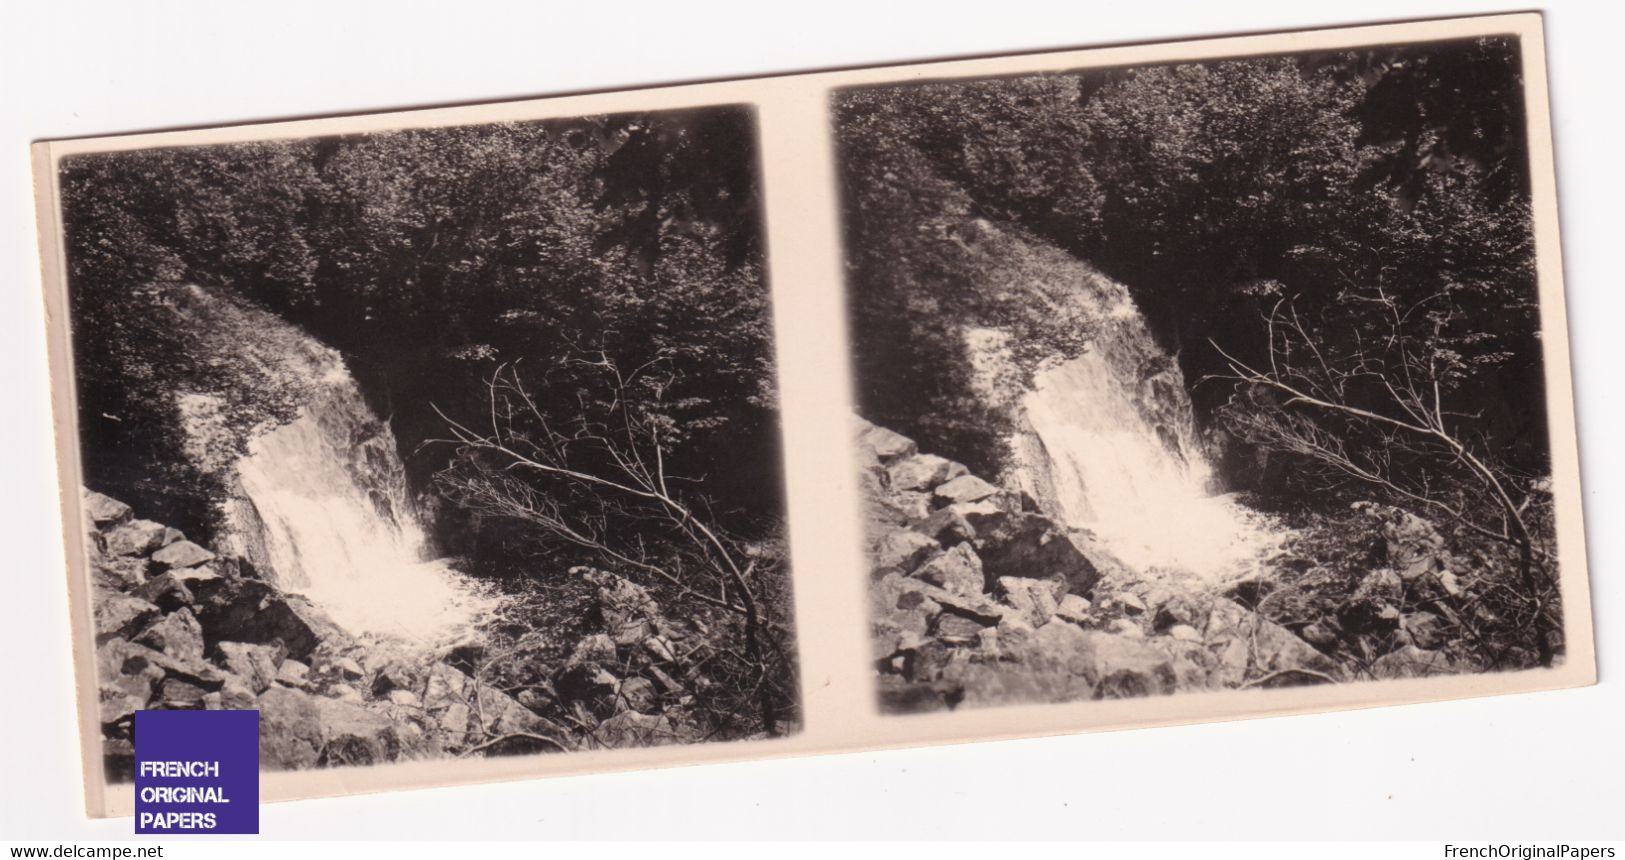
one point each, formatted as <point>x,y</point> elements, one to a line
<point>1113,448</point>
<point>337,526</point>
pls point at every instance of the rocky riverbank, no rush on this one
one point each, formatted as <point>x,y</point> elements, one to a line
<point>977,597</point>
<point>178,626</point>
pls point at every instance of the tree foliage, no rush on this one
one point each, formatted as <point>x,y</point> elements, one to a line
<point>429,258</point>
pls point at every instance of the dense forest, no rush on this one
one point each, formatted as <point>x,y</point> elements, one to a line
<point>589,293</point>
<point>1335,247</point>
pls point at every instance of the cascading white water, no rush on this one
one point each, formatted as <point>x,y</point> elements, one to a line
<point>1112,447</point>
<point>336,525</point>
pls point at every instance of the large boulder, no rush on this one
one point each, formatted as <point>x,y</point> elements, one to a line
<point>1032,546</point>
<point>252,611</point>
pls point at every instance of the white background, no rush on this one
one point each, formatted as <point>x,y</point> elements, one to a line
<point>1541,766</point>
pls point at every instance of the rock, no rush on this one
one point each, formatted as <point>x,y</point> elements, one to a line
<point>454,720</point>
<point>135,538</point>
<point>902,550</point>
<point>664,681</point>
<point>176,694</point>
<point>172,535</point>
<point>126,680</point>
<point>947,527</point>
<point>181,554</point>
<point>1072,608</point>
<point>346,693</point>
<point>1411,662</point>
<point>256,612</point>
<point>1126,627</point>
<point>1424,630</point>
<point>255,664</point>
<point>632,729</point>
<point>984,517</point>
<point>1173,610</point>
<point>898,696</point>
<point>586,683</point>
<point>639,694</point>
<point>105,511</point>
<point>177,635</point>
<point>1450,583</point>
<point>922,472</point>
<point>1031,545</point>
<point>293,673</point>
<point>1015,632</point>
<point>897,630</point>
<point>1033,597</point>
<point>1184,633</point>
<point>404,698</point>
<point>497,713</point>
<point>959,630</point>
<point>122,616</point>
<point>1130,603</point>
<point>165,591</point>
<point>1380,585</point>
<point>236,695</point>
<point>353,735</point>
<point>885,445</point>
<point>193,577</point>
<point>659,648</point>
<point>1265,647</point>
<point>595,649</point>
<point>958,570</point>
<point>119,657</point>
<point>347,667</point>
<point>965,488</point>
<point>1125,667</point>
<point>625,608</point>
<point>1323,633</point>
<point>290,730</point>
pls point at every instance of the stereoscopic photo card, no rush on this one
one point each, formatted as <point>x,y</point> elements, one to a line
<point>831,411</point>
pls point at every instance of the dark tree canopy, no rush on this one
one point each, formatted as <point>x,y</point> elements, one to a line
<point>1212,190</point>
<point>431,258</point>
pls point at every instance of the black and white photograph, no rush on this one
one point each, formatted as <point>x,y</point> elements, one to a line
<point>435,443</point>
<point>1197,376</point>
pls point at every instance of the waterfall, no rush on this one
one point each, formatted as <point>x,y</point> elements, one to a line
<point>321,505</point>
<point>1110,445</point>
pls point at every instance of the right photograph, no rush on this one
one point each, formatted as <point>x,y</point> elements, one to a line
<point>1201,376</point>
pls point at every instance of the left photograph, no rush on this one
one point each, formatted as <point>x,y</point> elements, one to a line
<point>437,443</point>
